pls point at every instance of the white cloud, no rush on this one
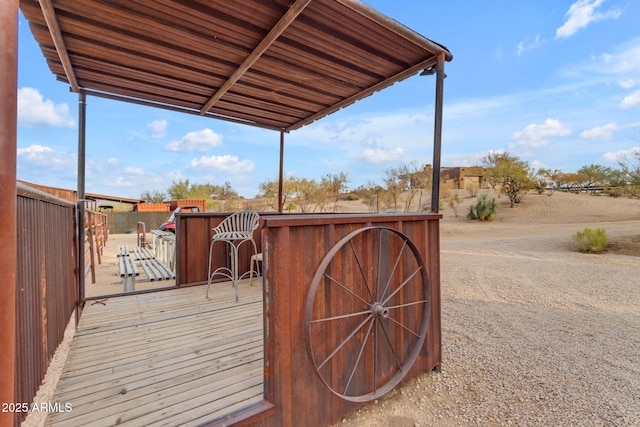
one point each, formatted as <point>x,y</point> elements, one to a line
<point>199,141</point>
<point>112,161</point>
<point>626,59</point>
<point>34,110</point>
<point>622,155</point>
<point>39,157</point>
<point>157,129</point>
<point>225,164</point>
<point>374,141</point>
<point>600,132</point>
<point>581,14</point>
<point>134,171</point>
<point>536,135</point>
<point>627,83</point>
<point>632,100</point>
<point>381,155</point>
<point>526,44</point>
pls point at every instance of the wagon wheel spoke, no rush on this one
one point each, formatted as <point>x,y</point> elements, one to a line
<point>341,316</point>
<point>399,257</point>
<point>401,286</point>
<point>349,291</point>
<point>364,276</point>
<point>357,362</point>
<point>344,342</point>
<point>411,331</point>
<point>391,347</point>
<point>372,275</point>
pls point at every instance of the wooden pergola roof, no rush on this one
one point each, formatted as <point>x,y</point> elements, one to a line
<point>277,64</point>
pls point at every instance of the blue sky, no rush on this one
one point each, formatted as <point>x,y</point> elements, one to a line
<point>556,83</point>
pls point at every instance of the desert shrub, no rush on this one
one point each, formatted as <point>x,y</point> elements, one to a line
<point>350,197</point>
<point>452,200</point>
<point>484,209</point>
<point>616,192</point>
<point>591,240</point>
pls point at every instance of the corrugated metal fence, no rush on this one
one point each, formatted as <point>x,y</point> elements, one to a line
<point>46,280</point>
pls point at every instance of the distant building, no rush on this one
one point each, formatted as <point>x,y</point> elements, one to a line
<point>462,177</point>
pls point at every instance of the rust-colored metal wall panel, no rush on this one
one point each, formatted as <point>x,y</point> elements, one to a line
<point>46,279</point>
<point>8,115</point>
<point>295,246</point>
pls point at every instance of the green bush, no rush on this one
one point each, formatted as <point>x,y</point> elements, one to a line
<point>484,209</point>
<point>591,240</point>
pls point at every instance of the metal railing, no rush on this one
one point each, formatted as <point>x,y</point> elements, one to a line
<point>96,233</point>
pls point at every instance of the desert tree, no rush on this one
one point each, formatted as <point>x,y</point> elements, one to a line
<point>334,185</point>
<point>297,193</point>
<point>153,196</point>
<point>394,185</point>
<point>542,181</point>
<point>509,174</point>
<point>179,190</point>
<point>402,184</point>
<point>594,175</point>
<point>370,195</point>
<point>221,192</point>
<point>416,180</point>
<point>307,194</point>
<point>630,168</point>
<point>549,180</point>
<point>269,191</point>
<point>489,162</point>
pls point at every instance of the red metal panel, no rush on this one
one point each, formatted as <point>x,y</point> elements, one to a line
<point>291,385</point>
<point>46,284</point>
<point>8,95</point>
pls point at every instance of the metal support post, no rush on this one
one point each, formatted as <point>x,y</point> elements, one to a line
<point>8,197</point>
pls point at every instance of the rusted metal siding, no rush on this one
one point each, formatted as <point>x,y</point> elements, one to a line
<point>46,282</point>
<point>294,248</point>
<point>8,124</point>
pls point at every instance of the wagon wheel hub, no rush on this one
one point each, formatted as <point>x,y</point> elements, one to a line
<point>380,311</point>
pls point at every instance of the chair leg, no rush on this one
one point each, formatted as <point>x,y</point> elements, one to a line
<point>209,270</point>
<point>257,261</point>
<point>251,272</point>
<point>234,268</point>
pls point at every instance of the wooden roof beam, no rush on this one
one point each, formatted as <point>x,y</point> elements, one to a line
<point>56,34</point>
<point>262,47</point>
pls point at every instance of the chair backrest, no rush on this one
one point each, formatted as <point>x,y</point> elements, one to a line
<point>243,221</point>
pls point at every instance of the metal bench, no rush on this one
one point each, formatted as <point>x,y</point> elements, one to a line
<point>128,268</point>
<point>153,268</point>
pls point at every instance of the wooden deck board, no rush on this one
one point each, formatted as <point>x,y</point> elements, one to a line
<point>164,358</point>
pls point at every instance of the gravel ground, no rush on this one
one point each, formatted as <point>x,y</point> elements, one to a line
<point>534,333</point>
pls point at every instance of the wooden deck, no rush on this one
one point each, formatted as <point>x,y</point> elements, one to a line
<point>164,358</point>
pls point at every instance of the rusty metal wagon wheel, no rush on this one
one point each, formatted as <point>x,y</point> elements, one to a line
<point>367,313</point>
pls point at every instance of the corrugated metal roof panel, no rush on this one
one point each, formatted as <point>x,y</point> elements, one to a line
<point>191,55</point>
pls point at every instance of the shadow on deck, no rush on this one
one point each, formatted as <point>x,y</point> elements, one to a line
<point>169,357</point>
